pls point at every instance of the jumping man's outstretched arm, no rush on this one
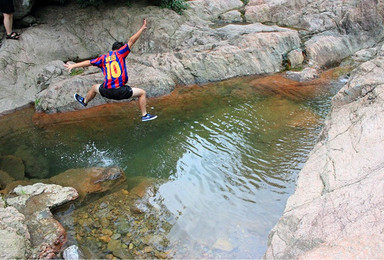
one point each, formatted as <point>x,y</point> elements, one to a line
<point>85,63</point>
<point>136,36</point>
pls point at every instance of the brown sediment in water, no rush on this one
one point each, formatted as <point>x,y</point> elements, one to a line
<point>185,99</point>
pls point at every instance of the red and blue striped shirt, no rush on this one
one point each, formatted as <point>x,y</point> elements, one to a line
<point>113,67</point>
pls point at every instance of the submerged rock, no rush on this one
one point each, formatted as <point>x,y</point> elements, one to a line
<point>90,180</point>
<point>13,165</point>
<point>36,165</point>
<point>125,235</point>
<point>5,179</point>
<point>73,253</point>
<point>306,74</point>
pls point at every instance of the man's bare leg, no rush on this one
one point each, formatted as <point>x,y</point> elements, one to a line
<point>92,93</point>
<point>141,95</point>
<point>8,22</point>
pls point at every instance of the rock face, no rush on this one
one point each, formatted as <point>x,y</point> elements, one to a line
<point>338,207</point>
<point>180,50</point>
<point>47,235</point>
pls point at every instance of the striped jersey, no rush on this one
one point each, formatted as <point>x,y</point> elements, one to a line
<point>113,67</point>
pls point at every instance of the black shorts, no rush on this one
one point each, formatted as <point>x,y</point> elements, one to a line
<point>6,6</point>
<point>124,92</point>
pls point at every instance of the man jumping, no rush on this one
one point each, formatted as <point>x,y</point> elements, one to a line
<point>115,72</point>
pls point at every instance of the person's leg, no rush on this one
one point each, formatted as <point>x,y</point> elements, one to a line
<point>92,93</point>
<point>8,22</point>
<point>141,95</point>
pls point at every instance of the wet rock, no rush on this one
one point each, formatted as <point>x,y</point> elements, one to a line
<point>128,235</point>
<point>34,202</point>
<point>13,165</point>
<point>117,250</point>
<point>223,244</point>
<point>295,58</point>
<point>123,226</point>
<point>90,180</point>
<point>73,253</point>
<point>36,165</point>
<point>306,74</point>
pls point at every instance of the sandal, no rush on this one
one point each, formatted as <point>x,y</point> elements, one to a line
<point>13,36</point>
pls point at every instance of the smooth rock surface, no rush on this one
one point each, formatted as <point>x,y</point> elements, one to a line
<point>338,201</point>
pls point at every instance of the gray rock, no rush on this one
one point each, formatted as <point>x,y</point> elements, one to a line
<point>365,55</point>
<point>73,253</point>
<point>337,203</point>
<point>295,58</point>
<point>306,74</point>
<point>233,16</point>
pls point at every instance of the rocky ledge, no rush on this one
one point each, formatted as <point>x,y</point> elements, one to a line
<point>214,40</point>
<point>338,206</point>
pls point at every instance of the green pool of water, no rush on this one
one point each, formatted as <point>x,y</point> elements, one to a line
<point>228,155</point>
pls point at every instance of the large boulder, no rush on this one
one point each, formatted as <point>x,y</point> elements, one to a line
<point>338,201</point>
<point>352,16</point>
<point>333,30</point>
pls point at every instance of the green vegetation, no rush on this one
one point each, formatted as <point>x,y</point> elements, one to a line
<point>37,101</point>
<point>176,5</point>
<point>77,71</point>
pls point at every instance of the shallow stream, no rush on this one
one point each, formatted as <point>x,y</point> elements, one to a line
<point>227,155</point>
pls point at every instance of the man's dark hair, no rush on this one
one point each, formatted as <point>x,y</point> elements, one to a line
<point>117,45</point>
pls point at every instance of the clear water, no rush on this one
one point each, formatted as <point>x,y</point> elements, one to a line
<point>228,154</point>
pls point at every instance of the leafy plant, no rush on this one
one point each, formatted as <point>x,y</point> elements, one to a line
<point>176,5</point>
<point>76,72</point>
<point>37,101</point>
